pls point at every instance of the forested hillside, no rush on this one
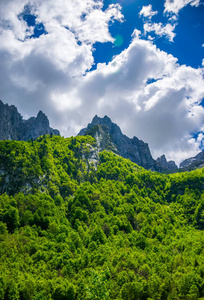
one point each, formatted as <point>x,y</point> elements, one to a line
<point>75,224</point>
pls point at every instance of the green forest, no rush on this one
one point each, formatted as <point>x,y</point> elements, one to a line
<point>71,230</point>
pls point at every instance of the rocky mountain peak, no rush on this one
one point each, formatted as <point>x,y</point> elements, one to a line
<point>113,128</point>
<point>98,120</point>
<point>13,127</point>
<point>134,149</point>
<point>41,115</point>
<point>166,165</point>
<point>109,136</point>
<point>193,163</point>
<point>103,139</point>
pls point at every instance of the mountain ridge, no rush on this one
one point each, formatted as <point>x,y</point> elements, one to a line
<point>71,231</point>
<point>107,134</point>
<point>132,148</point>
<point>192,163</point>
<point>14,127</point>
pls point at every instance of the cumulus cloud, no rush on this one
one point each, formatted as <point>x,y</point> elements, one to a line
<point>38,67</point>
<point>158,28</point>
<point>66,24</point>
<point>147,11</point>
<point>142,89</point>
<point>161,30</point>
<point>164,113</point>
<point>174,6</point>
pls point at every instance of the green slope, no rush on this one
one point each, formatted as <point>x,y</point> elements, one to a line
<point>69,230</point>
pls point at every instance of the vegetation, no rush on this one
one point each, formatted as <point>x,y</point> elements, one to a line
<point>71,231</point>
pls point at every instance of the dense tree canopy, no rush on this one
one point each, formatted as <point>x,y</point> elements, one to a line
<point>69,230</point>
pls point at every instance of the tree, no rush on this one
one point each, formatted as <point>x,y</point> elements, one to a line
<point>98,287</point>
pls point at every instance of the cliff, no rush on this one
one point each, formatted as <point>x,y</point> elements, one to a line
<point>113,139</point>
<point>13,127</point>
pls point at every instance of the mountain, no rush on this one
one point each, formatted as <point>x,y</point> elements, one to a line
<point>110,137</point>
<point>13,127</point>
<point>166,165</point>
<point>193,162</point>
<point>72,230</point>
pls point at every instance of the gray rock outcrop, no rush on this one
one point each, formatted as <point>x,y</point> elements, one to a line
<point>13,127</point>
<point>193,163</point>
<point>166,165</point>
<point>113,139</point>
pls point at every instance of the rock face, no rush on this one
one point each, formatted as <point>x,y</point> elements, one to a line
<point>109,136</point>
<point>193,162</point>
<point>103,139</point>
<point>13,127</point>
<point>166,165</point>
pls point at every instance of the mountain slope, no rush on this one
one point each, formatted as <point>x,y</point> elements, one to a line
<point>193,162</point>
<point>134,149</point>
<point>13,127</point>
<point>70,229</point>
<point>107,134</point>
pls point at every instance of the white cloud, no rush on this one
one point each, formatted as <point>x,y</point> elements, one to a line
<point>174,6</point>
<point>203,62</point>
<point>34,71</point>
<point>161,30</point>
<point>142,89</point>
<point>66,23</point>
<point>136,34</point>
<point>163,113</point>
<point>43,65</point>
<point>147,11</point>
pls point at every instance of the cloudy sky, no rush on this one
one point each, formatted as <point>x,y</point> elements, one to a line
<point>140,62</point>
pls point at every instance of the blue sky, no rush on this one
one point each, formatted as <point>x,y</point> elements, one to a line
<point>189,31</point>
<point>139,62</point>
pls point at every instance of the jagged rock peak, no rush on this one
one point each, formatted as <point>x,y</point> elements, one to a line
<point>41,115</point>
<point>168,165</point>
<point>97,119</point>
<point>193,162</point>
<point>43,119</point>
<point>107,122</point>
<point>134,149</point>
<point>13,127</point>
<point>104,120</point>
